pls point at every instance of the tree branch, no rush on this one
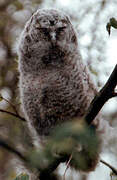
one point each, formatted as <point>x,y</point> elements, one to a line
<point>102,97</point>
<point>108,165</point>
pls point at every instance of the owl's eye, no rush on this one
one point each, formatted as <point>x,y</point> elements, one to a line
<point>44,30</point>
<point>61,29</point>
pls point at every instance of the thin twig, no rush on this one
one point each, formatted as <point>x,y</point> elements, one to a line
<point>11,104</point>
<point>67,166</point>
<point>108,165</point>
<point>4,145</point>
<point>12,114</point>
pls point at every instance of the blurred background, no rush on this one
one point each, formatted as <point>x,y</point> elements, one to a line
<point>98,51</point>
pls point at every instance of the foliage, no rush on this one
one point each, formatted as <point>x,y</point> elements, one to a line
<point>22,177</point>
<point>78,140</point>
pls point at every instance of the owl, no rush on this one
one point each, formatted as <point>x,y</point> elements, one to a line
<point>55,85</point>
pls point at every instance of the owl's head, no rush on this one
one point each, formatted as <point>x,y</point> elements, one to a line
<point>48,36</point>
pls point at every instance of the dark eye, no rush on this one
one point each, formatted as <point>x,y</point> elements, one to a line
<point>61,29</point>
<point>45,31</point>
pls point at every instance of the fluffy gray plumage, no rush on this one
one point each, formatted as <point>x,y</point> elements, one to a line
<point>54,83</point>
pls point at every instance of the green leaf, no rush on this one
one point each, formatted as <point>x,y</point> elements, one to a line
<point>22,177</point>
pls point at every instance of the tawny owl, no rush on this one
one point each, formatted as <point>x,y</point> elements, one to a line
<point>54,83</point>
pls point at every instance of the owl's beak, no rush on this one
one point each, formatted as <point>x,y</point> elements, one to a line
<point>53,37</point>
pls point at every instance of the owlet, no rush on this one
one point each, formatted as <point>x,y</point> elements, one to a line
<point>54,83</point>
